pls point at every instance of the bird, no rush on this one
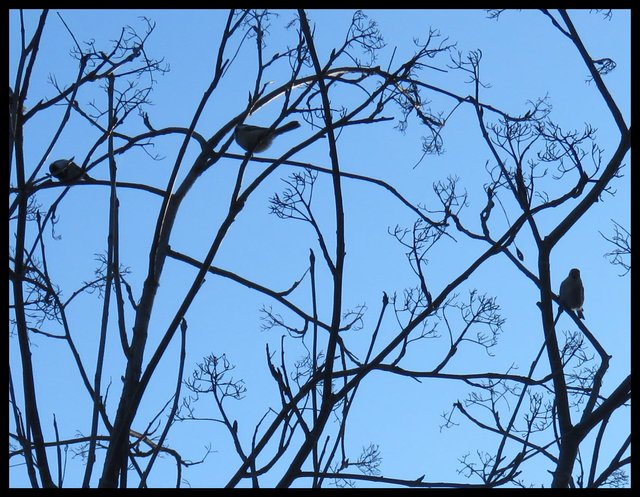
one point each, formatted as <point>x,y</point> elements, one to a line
<point>572,292</point>
<point>67,171</point>
<point>258,139</point>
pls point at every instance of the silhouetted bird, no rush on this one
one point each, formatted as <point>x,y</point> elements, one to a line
<point>67,171</point>
<point>572,292</point>
<point>257,138</point>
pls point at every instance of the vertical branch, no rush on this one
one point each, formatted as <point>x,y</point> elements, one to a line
<point>22,435</point>
<point>314,358</point>
<point>28,380</point>
<point>596,451</point>
<point>112,273</point>
<point>174,407</point>
<point>116,457</point>
<point>337,273</point>
<point>567,447</point>
<point>350,395</point>
<point>114,222</point>
<point>385,303</point>
<point>58,452</point>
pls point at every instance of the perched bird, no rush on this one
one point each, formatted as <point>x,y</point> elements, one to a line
<point>67,171</point>
<point>572,292</point>
<point>257,138</point>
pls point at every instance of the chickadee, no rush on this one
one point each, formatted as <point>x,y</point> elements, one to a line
<point>572,292</point>
<point>67,171</point>
<point>258,139</point>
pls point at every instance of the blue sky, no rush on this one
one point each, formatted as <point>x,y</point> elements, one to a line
<point>524,58</point>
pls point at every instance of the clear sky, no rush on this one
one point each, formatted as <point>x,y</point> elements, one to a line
<point>524,58</point>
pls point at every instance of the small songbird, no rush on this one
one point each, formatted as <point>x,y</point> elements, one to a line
<point>257,138</point>
<point>572,292</point>
<point>67,171</point>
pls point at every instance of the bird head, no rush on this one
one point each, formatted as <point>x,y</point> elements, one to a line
<point>56,167</point>
<point>574,273</point>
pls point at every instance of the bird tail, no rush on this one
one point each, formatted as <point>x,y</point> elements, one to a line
<point>287,127</point>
